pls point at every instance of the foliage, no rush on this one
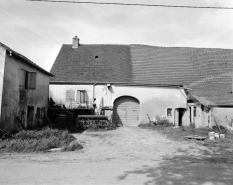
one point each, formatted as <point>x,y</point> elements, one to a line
<point>163,121</point>
<point>36,140</point>
<point>178,133</point>
<point>73,147</point>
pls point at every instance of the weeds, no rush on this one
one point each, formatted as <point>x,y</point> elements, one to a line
<point>36,141</point>
<point>178,133</point>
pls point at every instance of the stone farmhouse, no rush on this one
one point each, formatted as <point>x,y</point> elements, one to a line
<point>186,85</point>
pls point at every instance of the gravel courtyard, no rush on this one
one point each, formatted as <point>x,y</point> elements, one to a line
<point>128,155</point>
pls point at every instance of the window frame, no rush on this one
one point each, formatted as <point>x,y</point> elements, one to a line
<point>81,96</point>
<point>28,80</point>
<point>169,112</point>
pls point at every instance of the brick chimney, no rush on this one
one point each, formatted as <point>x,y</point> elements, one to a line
<point>75,42</point>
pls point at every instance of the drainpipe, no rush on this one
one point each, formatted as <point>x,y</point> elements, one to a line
<point>94,91</point>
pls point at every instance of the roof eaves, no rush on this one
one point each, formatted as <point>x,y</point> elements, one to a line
<point>114,83</point>
<point>25,59</point>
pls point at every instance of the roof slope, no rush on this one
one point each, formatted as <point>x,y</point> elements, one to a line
<point>207,71</point>
<point>180,66</point>
<point>93,63</point>
<point>25,59</point>
<point>214,91</point>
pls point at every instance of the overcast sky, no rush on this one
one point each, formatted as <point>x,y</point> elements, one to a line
<point>37,30</point>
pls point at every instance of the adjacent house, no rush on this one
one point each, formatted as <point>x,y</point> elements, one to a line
<point>187,85</point>
<point>24,91</point>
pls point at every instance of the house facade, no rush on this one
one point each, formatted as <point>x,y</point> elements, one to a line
<point>142,82</point>
<point>24,91</point>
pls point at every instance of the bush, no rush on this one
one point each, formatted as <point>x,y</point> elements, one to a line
<point>35,141</point>
<point>163,121</point>
<point>73,147</point>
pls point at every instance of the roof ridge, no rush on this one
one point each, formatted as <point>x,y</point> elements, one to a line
<point>183,47</point>
<point>146,45</point>
<point>99,44</point>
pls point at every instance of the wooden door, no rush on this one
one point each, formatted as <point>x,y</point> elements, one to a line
<point>126,111</point>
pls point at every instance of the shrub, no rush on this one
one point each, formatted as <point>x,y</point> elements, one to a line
<point>163,121</point>
<point>35,141</point>
<point>73,147</point>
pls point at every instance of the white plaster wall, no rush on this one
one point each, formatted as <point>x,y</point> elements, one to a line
<point>202,118</point>
<point>2,67</point>
<point>153,100</point>
<point>11,106</point>
<point>58,92</point>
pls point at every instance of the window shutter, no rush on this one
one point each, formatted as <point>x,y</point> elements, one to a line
<point>82,97</point>
<point>86,100</point>
<point>22,78</point>
<point>78,95</point>
<point>32,80</point>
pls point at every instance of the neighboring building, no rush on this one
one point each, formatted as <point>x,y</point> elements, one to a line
<point>24,91</point>
<point>187,85</point>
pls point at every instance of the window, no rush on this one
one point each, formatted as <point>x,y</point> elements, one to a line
<point>22,97</point>
<point>28,79</point>
<point>81,97</point>
<point>169,112</point>
<point>194,111</point>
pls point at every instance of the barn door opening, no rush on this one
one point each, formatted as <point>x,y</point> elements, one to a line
<point>179,113</point>
<point>126,111</point>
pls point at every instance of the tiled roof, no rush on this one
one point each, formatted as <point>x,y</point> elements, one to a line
<point>93,63</point>
<point>180,66</point>
<point>214,91</point>
<point>201,69</point>
<point>25,59</point>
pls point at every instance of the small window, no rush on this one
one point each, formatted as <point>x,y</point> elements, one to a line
<point>81,96</point>
<point>31,80</point>
<point>22,97</point>
<point>96,57</point>
<point>169,112</point>
<point>27,80</point>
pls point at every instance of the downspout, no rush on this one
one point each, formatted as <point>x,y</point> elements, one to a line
<point>94,91</point>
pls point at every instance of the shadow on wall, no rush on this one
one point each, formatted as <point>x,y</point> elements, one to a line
<point>184,170</point>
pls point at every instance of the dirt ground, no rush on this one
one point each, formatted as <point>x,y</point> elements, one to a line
<point>128,155</point>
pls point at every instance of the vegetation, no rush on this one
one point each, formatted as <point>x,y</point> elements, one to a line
<point>178,133</point>
<point>38,140</point>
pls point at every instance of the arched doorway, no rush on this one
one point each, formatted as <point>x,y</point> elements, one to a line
<point>126,111</point>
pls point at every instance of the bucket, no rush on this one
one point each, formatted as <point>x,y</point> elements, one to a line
<point>222,136</point>
<point>211,135</point>
<point>212,138</point>
<point>216,135</point>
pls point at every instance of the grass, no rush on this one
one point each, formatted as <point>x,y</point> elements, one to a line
<point>222,148</point>
<point>179,133</point>
<point>38,140</point>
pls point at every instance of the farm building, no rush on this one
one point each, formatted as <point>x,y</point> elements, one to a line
<point>186,85</point>
<point>24,91</point>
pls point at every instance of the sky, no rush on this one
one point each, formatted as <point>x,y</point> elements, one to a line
<point>37,30</point>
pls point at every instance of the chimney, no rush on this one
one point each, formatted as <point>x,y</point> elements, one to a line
<point>75,42</point>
